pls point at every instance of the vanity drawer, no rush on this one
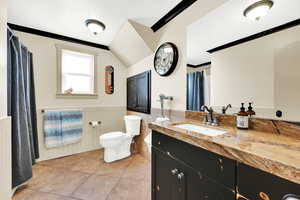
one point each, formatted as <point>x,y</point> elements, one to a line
<point>256,184</point>
<point>214,166</point>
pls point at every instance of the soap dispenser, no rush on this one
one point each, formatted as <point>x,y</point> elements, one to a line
<point>242,118</point>
<point>250,110</point>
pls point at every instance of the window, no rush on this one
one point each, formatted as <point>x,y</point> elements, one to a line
<point>76,72</point>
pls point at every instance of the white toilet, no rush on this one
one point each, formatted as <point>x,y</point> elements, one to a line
<point>117,144</point>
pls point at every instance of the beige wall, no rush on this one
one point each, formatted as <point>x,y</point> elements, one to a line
<point>111,120</point>
<point>3,58</point>
<point>44,58</point>
<point>175,31</point>
<point>265,71</point>
<point>5,158</point>
<point>109,109</point>
<point>5,124</point>
<point>136,37</point>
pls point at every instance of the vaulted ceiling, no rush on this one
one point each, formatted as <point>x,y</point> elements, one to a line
<point>66,17</point>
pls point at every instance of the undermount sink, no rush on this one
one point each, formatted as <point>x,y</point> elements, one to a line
<point>201,129</point>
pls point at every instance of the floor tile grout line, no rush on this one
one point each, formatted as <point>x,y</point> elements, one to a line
<point>60,195</point>
<point>39,190</point>
<point>132,160</point>
<point>83,182</point>
<point>117,183</point>
<point>120,178</point>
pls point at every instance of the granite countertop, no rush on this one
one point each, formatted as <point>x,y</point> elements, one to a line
<point>275,154</point>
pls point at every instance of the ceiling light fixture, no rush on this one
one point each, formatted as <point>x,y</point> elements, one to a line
<point>95,26</point>
<point>258,10</point>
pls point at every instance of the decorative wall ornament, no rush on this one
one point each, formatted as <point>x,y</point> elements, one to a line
<point>109,79</point>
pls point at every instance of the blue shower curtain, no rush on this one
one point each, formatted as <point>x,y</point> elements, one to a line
<point>22,109</point>
<point>195,91</point>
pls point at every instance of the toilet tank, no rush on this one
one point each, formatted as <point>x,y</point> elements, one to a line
<point>133,124</point>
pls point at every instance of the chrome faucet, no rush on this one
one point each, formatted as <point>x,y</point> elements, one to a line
<point>163,97</point>
<point>210,119</point>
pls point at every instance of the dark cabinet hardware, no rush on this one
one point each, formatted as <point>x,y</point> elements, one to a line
<point>157,188</point>
<point>175,171</point>
<point>180,176</point>
<point>264,196</point>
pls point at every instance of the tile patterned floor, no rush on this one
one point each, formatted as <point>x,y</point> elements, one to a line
<point>85,176</point>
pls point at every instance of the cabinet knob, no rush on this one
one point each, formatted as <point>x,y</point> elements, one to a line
<point>174,171</point>
<point>180,176</point>
<point>264,196</point>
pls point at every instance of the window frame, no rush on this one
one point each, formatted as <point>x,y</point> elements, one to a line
<point>59,92</point>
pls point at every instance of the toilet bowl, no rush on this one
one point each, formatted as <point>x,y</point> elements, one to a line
<point>117,144</point>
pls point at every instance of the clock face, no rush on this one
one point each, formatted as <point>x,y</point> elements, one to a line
<point>165,59</point>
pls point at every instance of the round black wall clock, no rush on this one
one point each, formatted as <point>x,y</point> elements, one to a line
<point>165,59</point>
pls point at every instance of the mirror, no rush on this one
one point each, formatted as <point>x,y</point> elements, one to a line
<point>233,60</point>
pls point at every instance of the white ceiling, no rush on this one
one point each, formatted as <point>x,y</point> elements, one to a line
<point>227,23</point>
<point>66,17</point>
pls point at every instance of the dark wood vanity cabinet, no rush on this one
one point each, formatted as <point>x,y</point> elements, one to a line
<point>181,171</point>
<point>174,179</point>
<point>217,167</point>
<point>255,184</point>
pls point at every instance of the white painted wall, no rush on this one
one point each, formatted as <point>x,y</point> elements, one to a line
<point>109,109</point>
<point>265,71</point>
<point>175,31</point>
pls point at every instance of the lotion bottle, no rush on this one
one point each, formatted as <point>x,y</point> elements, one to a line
<point>242,119</point>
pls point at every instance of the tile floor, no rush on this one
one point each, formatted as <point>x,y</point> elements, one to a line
<point>85,176</point>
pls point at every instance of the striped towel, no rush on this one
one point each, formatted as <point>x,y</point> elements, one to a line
<point>62,128</point>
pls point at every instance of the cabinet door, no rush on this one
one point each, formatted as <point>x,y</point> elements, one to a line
<point>174,180</point>
<point>216,167</point>
<point>259,185</point>
<point>200,187</point>
<point>216,191</point>
<point>165,184</point>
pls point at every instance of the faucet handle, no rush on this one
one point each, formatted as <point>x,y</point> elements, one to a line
<point>225,108</point>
